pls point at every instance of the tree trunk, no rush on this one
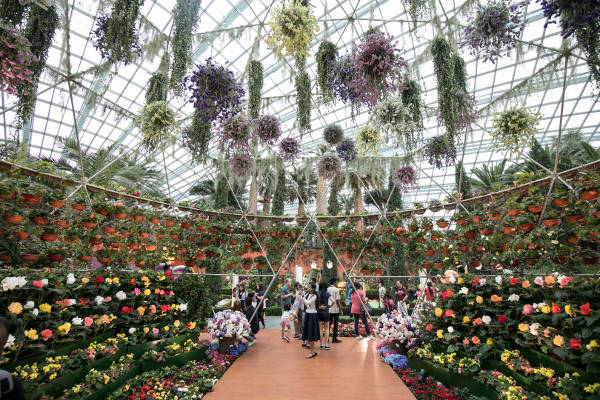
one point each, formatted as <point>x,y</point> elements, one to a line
<point>301,208</point>
<point>358,206</point>
<point>253,196</point>
<point>321,197</point>
<point>267,206</point>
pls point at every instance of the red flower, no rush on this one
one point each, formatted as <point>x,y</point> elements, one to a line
<point>514,281</point>
<point>575,344</point>
<point>126,310</point>
<point>38,284</point>
<point>447,294</point>
<point>98,280</point>
<point>585,309</point>
<point>168,273</point>
<point>555,309</point>
<point>428,327</point>
<point>164,308</point>
<point>502,319</point>
<point>132,282</point>
<point>449,313</point>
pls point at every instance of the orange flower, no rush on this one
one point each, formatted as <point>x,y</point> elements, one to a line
<point>549,279</point>
<point>476,340</point>
<point>496,298</point>
<point>525,284</point>
<point>449,313</point>
<point>156,291</point>
<point>477,321</point>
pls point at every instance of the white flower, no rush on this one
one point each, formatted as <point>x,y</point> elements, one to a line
<point>498,279</point>
<point>12,282</point>
<point>29,305</point>
<point>21,281</point>
<point>486,319</point>
<point>10,342</point>
<point>121,295</point>
<point>99,300</point>
<point>452,279</point>
<point>533,328</point>
<point>450,329</point>
<point>131,331</point>
<point>45,282</point>
<point>35,312</point>
<point>183,307</point>
<point>72,302</point>
<point>513,297</point>
<point>464,290</point>
<point>70,279</point>
<point>76,321</point>
<point>482,282</point>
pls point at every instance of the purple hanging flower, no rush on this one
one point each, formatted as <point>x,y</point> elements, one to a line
<point>289,148</point>
<point>102,43</point>
<point>267,128</point>
<point>329,166</point>
<point>494,30</point>
<point>341,75</point>
<point>347,150</point>
<point>406,178</point>
<point>241,164</point>
<point>235,134</point>
<point>15,60</point>
<point>215,92</point>
<point>467,110</point>
<point>440,151</point>
<point>573,15</point>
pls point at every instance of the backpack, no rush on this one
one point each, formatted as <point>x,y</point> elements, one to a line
<point>7,385</point>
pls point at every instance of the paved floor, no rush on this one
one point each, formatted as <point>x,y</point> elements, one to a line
<point>272,369</point>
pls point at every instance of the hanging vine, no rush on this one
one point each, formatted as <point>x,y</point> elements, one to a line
<point>11,12</point>
<point>157,88</point>
<point>255,85</point>
<point>40,29</point>
<point>444,73</point>
<point>417,10</point>
<point>411,97</point>
<point>196,138</point>
<point>185,18</point>
<point>158,125</point>
<point>326,57</point>
<point>303,100</point>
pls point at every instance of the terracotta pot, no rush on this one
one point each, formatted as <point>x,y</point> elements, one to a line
<point>474,264</point>
<point>589,195</point>
<point>49,237</point>
<point>513,212</point>
<point>103,211</point>
<point>494,217</point>
<point>471,234</point>
<point>464,249</point>
<point>133,246</point>
<point>57,204</point>
<point>573,239</point>
<point>39,221</point>
<point>430,252</point>
<point>154,221</point>
<point>530,261</point>
<point>30,257</point>
<point>535,208</point>
<point>412,228</point>
<point>140,264</point>
<point>169,223</point>
<point>104,260</point>
<point>231,266</point>
<point>561,259</point>
<point>61,223</point>
<point>109,229</point>
<point>574,218</point>
<point>480,248</point>
<point>400,230</point>
<point>453,237</point>
<point>95,242</point>
<point>404,240</point>
<point>224,343</point>
<point>31,199</point>
<point>84,258</point>
<point>527,227</point>
<point>589,261</point>
<point>561,203</point>
<point>78,207</point>
<point>200,255</point>
<point>144,234</point>
<point>22,235</point>
<point>426,265</point>
<point>438,265</point>
<point>594,235</point>
<point>507,230</point>
<point>4,257</point>
<point>487,232</point>
<point>446,251</point>
<point>260,266</point>
<point>151,247</point>
<point>461,222</point>
<point>420,239</point>
<point>7,196</point>
<point>89,225</point>
<point>13,219</point>
<point>552,223</point>
<point>174,237</point>
<point>443,224</point>
<point>420,211</point>
<point>182,250</point>
<point>476,220</point>
<point>55,257</point>
<point>435,238</point>
<point>427,227</point>
<point>159,236</point>
<point>137,218</point>
<point>120,216</point>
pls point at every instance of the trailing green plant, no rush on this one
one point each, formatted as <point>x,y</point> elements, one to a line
<point>444,73</point>
<point>417,10</point>
<point>196,137</point>
<point>303,101</point>
<point>515,129</point>
<point>326,57</point>
<point>255,85</point>
<point>157,88</point>
<point>11,12</point>
<point>394,193</point>
<point>221,193</point>
<point>589,41</point>
<point>395,118</point>
<point>185,18</point>
<point>368,140</point>
<point>158,125</point>
<point>280,192</point>
<point>40,29</point>
<point>411,97</point>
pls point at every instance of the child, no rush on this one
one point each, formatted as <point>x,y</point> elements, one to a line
<point>285,322</point>
<point>389,304</point>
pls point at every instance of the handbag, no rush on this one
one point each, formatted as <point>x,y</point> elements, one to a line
<point>366,308</point>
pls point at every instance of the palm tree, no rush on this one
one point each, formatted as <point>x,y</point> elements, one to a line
<point>302,188</point>
<point>347,202</point>
<point>217,193</point>
<point>266,186</point>
<point>365,174</point>
<point>490,176</point>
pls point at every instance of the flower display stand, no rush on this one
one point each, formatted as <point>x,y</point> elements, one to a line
<point>224,343</point>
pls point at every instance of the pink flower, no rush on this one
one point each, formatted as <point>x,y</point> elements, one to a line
<point>46,334</point>
<point>136,291</point>
<point>539,281</point>
<point>547,332</point>
<point>565,281</point>
<point>528,309</point>
<point>155,331</point>
<point>482,282</point>
<point>88,321</point>
<point>38,284</point>
<point>153,309</point>
<point>466,341</point>
<point>107,299</point>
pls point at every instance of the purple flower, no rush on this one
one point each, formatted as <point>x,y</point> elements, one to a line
<point>347,150</point>
<point>329,166</point>
<point>406,178</point>
<point>235,134</point>
<point>574,15</point>
<point>289,148</point>
<point>241,165</point>
<point>440,151</point>
<point>268,129</point>
<point>103,45</point>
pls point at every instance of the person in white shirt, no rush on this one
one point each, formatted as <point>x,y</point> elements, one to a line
<point>381,294</point>
<point>335,310</point>
<point>310,330</point>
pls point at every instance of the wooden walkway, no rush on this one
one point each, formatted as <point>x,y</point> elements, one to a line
<point>271,369</point>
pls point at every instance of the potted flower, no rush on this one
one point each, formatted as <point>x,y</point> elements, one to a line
<point>442,223</point>
<point>419,208</point>
<point>435,205</point>
<point>231,262</point>
<point>229,327</point>
<point>515,128</point>
<point>396,330</point>
<point>246,263</point>
<point>56,254</point>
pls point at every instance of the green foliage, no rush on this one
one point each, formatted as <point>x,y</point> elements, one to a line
<point>213,283</point>
<point>280,192</point>
<point>303,100</point>
<point>325,57</point>
<point>185,18</point>
<point>444,67</point>
<point>333,202</point>
<point>328,255</point>
<point>417,9</point>
<point>515,129</point>
<point>221,193</point>
<point>197,136</point>
<point>368,140</point>
<point>120,30</point>
<point>255,85</point>
<point>158,125</point>
<point>395,199</point>
<point>191,289</point>
<point>465,186</point>
<point>411,97</point>
<point>11,12</point>
<point>157,88</point>
<point>589,41</point>
<point>40,29</point>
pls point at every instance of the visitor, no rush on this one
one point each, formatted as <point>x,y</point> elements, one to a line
<point>429,292</point>
<point>239,293</point>
<point>297,311</point>
<point>349,290</point>
<point>262,304</point>
<point>389,304</point>
<point>310,330</point>
<point>251,315</point>
<point>11,387</point>
<point>335,310</point>
<point>285,323</point>
<point>358,313</point>
<point>286,294</point>
<point>324,303</point>
<point>401,295</point>
<point>381,294</point>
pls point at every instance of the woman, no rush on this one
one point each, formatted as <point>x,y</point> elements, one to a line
<point>262,304</point>
<point>297,311</point>
<point>356,311</point>
<point>310,330</point>
<point>324,302</point>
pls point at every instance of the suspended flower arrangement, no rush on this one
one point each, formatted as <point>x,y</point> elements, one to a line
<point>440,151</point>
<point>158,125</point>
<point>495,29</point>
<point>333,134</point>
<point>346,150</point>
<point>406,178</point>
<point>368,140</point>
<point>215,92</point>
<point>380,68</point>
<point>329,166</point>
<point>326,57</point>
<point>292,30</point>
<point>289,148</point>
<point>392,116</point>
<point>241,164</point>
<point>515,129</point>
<point>268,129</point>
<point>115,36</point>
<point>16,59</point>
<point>341,76</point>
<point>235,134</point>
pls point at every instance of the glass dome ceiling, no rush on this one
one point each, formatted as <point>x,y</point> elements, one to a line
<point>107,99</point>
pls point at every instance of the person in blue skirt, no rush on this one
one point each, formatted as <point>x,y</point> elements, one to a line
<point>310,330</point>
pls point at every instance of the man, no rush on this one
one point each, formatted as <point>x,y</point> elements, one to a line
<point>336,309</point>
<point>381,294</point>
<point>286,294</point>
<point>11,387</point>
<point>401,294</point>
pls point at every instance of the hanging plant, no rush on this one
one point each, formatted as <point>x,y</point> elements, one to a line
<point>326,57</point>
<point>196,137</point>
<point>303,101</point>
<point>411,97</point>
<point>215,93</point>
<point>333,134</point>
<point>41,26</point>
<point>442,64</point>
<point>255,85</point>
<point>185,18</point>
<point>368,140</point>
<point>17,58</point>
<point>158,125</point>
<point>341,77</point>
<point>380,69</point>
<point>241,164</point>
<point>346,150</point>
<point>268,129</point>
<point>418,10</point>
<point>11,12</point>
<point>289,148</point>
<point>494,30</point>
<point>440,151</point>
<point>115,36</point>
<point>235,134</point>
<point>406,178</point>
<point>157,88</point>
<point>465,103</point>
<point>292,30</point>
<point>589,41</point>
<point>392,116</point>
<point>515,129</point>
<point>329,166</point>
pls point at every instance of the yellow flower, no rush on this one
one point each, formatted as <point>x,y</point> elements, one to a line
<point>561,396</point>
<point>108,281</point>
<point>558,340</point>
<point>141,310</point>
<point>64,328</point>
<point>593,345</point>
<point>15,308</point>
<point>438,312</point>
<point>146,329</point>
<point>440,333</point>
<point>166,328</point>
<point>479,299</point>
<point>115,280</point>
<point>45,307</point>
<point>523,328</point>
<point>466,319</point>
<point>192,325</point>
<point>52,377</point>
<point>591,388</point>
<point>162,278</point>
<point>31,334</point>
<point>146,292</point>
<point>569,310</point>
<point>489,341</point>
<point>460,281</point>
<point>546,309</point>
<point>176,323</point>
<point>85,280</point>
